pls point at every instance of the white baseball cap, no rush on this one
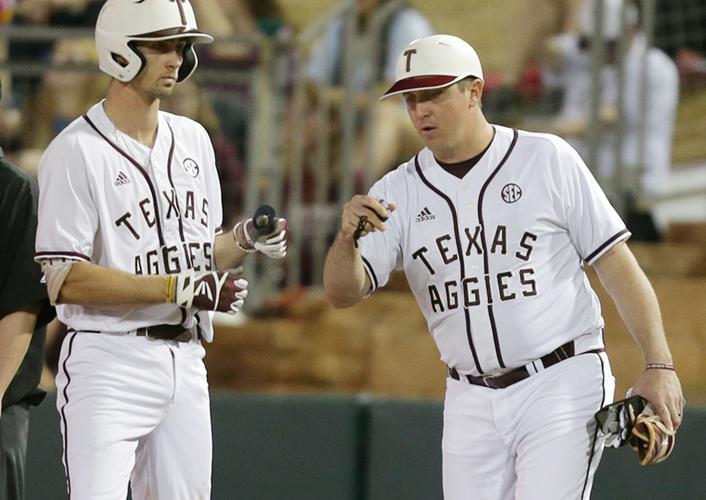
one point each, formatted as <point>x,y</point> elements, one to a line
<point>434,62</point>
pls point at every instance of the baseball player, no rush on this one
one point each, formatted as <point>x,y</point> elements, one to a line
<point>131,245</point>
<point>493,228</point>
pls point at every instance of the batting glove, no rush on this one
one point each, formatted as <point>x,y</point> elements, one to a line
<point>211,291</point>
<point>274,244</point>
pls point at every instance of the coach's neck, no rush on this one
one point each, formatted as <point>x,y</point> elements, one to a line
<point>133,114</point>
<point>474,136</point>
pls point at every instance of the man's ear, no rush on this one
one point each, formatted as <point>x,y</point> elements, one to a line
<point>477,89</point>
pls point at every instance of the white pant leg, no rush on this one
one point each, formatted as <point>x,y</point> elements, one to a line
<point>111,392</point>
<point>557,453</point>
<point>476,461</point>
<point>174,461</point>
<point>530,441</point>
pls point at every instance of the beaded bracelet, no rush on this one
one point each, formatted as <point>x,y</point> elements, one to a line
<point>659,366</point>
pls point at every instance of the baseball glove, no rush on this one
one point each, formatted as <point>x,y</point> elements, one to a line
<point>632,421</point>
<point>650,438</point>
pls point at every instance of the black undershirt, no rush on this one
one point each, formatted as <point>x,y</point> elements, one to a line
<point>461,168</point>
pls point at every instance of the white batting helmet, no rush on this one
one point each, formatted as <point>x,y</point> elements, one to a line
<point>434,62</point>
<point>121,23</point>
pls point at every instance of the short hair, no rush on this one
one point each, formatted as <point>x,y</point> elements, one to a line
<point>466,83</point>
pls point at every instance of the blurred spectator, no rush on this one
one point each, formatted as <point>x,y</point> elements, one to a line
<point>26,124</point>
<point>61,96</point>
<point>552,17</point>
<point>680,30</point>
<point>65,93</point>
<point>54,13</point>
<point>239,27</point>
<point>395,140</point>
<point>647,125</point>
<point>7,11</point>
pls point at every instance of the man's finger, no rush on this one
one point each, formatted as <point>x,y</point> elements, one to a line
<point>664,413</point>
<point>379,214</point>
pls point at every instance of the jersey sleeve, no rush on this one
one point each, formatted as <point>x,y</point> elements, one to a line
<point>593,224</point>
<point>381,250</point>
<point>68,218</point>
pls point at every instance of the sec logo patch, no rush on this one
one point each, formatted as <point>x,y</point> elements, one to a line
<point>511,193</point>
<point>191,167</point>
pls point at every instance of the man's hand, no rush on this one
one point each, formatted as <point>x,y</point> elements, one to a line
<point>663,390</point>
<point>363,215</point>
<point>211,291</point>
<point>273,244</point>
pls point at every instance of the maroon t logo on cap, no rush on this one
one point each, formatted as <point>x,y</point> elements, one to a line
<point>409,53</point>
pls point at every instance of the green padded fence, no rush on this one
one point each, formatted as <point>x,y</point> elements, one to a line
<point>295,448</point>
<point>357,448</point>
<point>403,450</point>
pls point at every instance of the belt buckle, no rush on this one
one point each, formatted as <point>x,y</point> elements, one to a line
<point>485,379</point>
<point>147,334</point>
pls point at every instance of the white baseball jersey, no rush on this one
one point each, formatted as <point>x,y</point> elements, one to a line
<point>107,199</point>
<point>495,259</point>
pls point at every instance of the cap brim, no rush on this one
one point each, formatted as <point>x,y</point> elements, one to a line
<point>425,82</point>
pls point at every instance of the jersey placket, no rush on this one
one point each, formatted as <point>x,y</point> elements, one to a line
<point>473,254</point>
<point>159,171</point>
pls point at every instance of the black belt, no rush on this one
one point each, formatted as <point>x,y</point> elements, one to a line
<point>563,352</point>
<point>165,332</point>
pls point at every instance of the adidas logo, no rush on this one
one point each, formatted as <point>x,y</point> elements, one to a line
<point>121,179</point>
<point>425,215</point>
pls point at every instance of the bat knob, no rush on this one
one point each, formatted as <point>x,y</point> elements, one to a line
<point>264,220</point>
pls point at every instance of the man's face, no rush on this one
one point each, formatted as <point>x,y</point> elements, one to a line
<point>162,62</point>
<point>440,116</point>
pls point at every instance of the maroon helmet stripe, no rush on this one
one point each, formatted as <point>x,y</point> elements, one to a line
<point>181,11</point>
<point>421,82</point>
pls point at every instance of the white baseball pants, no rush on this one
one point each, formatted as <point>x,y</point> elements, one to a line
<point>134,410</point>
<point>533,440</point>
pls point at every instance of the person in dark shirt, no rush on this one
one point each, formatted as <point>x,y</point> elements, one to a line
<point>24,314</point>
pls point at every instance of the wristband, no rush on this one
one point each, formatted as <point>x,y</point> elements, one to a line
<point>241,238</point>
<point>659,366</point>
<point>169,290</point>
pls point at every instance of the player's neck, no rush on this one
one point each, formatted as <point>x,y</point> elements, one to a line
<point>132,114</point>
<point>475,139</point>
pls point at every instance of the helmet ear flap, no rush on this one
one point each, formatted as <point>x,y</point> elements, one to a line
<point>188,64</point>
<point>133,47</point>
